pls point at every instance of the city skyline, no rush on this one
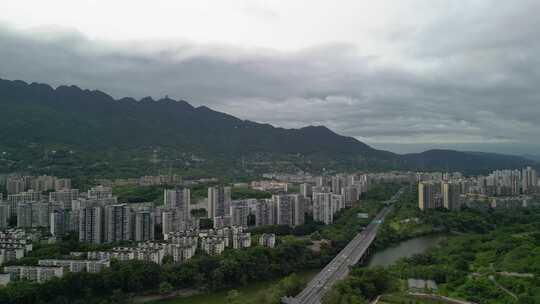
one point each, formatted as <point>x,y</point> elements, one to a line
<point>269,151</point>
<point>300,215</point>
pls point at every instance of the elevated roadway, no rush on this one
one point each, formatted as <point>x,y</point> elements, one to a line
<point>339,267</point>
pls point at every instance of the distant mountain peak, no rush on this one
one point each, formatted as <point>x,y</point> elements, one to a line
<point>318,129</point>
<point>147,99</point>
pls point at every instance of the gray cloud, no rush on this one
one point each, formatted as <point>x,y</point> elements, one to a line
<point>469,75</point>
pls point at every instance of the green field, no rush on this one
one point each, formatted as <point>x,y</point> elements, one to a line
<point>249,292</point>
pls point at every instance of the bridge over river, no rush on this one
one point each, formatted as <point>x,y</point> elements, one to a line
<point>356,251</point>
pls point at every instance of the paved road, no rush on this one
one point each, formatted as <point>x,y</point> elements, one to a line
<point>339,267</point>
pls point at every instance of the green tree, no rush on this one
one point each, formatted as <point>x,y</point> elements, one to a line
<point>168,259</point>
<point>165,288</point>
<point>316,236</point>
<point>234,297</point>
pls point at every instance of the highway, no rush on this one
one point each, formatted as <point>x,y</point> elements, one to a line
<point>339,267</point>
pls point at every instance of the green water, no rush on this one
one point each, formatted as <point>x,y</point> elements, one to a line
<point>405,249</point>
<point>249,292</point>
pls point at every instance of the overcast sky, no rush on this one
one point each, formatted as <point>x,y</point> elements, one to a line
<point>400,75</point>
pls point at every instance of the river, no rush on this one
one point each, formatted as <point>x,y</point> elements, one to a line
<point>253,290</point>
<point>404,249</point>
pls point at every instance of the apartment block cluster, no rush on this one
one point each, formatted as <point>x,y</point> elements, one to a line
<point>282,208</point>
<point>502,189</point>
<point>97,217</point>
<point>94,215</point>
<point>320,196</point>
<point>316,197</point>
<point>25,201</point>
<point>180,245</point>
<point>16,243</point>
<point>50,268</point>
<point>330,194</point>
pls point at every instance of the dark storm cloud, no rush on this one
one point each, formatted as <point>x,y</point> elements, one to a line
<point>470,76</point>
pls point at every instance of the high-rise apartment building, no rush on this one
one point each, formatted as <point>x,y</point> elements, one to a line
<point>323,181</point>
<point>64,196</point>
<point>4,215</point>
<point>239,213</point>
<point>338,183</point>
<point>172,220</point>
<point>91,224</point>
<point>15,199</point>
<point>32,214</point>
<point>117,223</point>
<point>350,195</point>
<point>322,207</point>
<point>264,212</point>
<point>326,205</point>
<point>428,195</point>
<point>338,203</point>
<point>289,209</point>
<point>144,226</point>
<point>321,189</point>
<point>451,196</point>
<point>306,189</point>
<point>15,185</point>
<point>40,214</point>
<point>59,222</point>
<point>219,201</point>
<point>529,179</point>
<point>180,200</point>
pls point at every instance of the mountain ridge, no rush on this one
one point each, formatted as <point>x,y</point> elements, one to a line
<point>70,117</point>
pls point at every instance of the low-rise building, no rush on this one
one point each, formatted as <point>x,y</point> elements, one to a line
<point>419,285</point>
<point>5,278</point>
<point>34,273</point>
<point>267,240</point>
<point>129,253</point>
<point>242,240</point>
<point>180,252</point>
<point>213,245</point>
<point>92,266</point>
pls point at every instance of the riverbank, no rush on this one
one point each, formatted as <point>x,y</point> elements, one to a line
<point>151,298</point>
<point>248,293</point>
